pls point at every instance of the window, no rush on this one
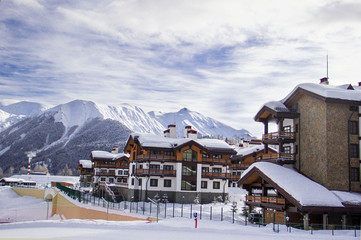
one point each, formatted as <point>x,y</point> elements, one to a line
<point>119,180</point>
<point>353,127</point>
<point>112,171</point>
<point>126,172</point>
<point>355,174</point>
<point>132,181</point>
<point>120,172</point>
<point>126,164</point>
<point>168,167</point>
<point>296,128</point>
<point>154,152</point>
<point>140,182</point>
<point>189,171</point>
<point>204,184</point>
<point>189,185</point>
<point>125,180</point>
<point>154,167</point>
<point>217,170</point>
<point>190,156</point>
<point>167,183</point>
<point>205,169</point>
<point>103,179</point>
<point>354,152</point>
<point>111,180</point>
<point>296,149</point>
<point>217,156</point>
<point>167,153</point>
<point>204,155</point>
<point>216,185</point>
<point>287,128</point>
<point>287,149</point>
<point>154,182</point>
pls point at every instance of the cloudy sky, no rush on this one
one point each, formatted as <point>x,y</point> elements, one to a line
<point>221,58</point>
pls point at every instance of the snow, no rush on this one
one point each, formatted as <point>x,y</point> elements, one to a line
<point>304,190</point>
<point>348,197</point>
<point>328,91</point>
<point>151,140</point>
<point>276,106</point>
<point>108,155</point>
<point>214,143</point>
<point>30,213</point>
<point>45,180</point>
<point>86,163</point>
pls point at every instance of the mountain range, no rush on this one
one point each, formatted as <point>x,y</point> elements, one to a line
<point>69,132</point>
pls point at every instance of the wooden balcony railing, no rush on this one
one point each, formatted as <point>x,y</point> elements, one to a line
<point>239,166</point>
<point>104,174</point>
<point>155,172</point>
<point>216,161</point>
<point>235,177</point>
<point>279,156</point>
<point>152,157</point>
<point>274,200</point>
<point>277,135</point>
<point>216,175</point>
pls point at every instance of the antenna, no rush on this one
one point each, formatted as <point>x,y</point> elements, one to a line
<point>327,65</point>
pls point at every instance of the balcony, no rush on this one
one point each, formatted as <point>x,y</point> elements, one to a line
<point>235,177</point>
<point>277,137</point>
<point>285,158</point>
<point>216,175</point>
<point>155,172</point>
<point>105,174</point>
<point>218,161</point>
<point>270,200</point>
<point>242,166</point>
<point>152,157</point>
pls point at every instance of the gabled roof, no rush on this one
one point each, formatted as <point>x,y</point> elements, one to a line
<point>152,141</point>
<point>103,155</point>
<point>244,152</point>
<point>86,163</point>
<point>295,187</point>
<point>343,94</point>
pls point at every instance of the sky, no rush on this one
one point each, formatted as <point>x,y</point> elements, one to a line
<point>223,59</point>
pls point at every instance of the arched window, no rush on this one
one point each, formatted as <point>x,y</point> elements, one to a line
<point>190,155</point>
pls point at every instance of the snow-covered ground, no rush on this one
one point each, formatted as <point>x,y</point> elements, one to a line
<point>34,226</point>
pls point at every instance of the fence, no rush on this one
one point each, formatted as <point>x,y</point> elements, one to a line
<point>213,211</point>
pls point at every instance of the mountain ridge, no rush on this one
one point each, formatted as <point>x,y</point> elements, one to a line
<point>68,132</point>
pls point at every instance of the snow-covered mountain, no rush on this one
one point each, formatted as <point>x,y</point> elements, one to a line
<point>69,132</point>
<point>205,126</point>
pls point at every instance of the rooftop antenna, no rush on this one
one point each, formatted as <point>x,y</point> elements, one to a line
<point>327,65</point>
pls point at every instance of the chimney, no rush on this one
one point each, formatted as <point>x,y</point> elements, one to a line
<point>186,131</point>
<point>324,81</point>
<point>190,133</point>
<point>171,132</point>
<point>115,150</point>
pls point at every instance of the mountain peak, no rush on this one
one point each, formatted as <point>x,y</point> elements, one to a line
<point>184,110</point>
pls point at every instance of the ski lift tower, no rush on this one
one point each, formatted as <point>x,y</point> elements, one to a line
<point>30,155</point>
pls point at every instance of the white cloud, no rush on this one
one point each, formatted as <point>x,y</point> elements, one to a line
<point>224,59</point>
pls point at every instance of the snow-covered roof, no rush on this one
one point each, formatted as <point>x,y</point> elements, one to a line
<point>12,179</point>
<point>108,155</point>
<point>350,198</point>
<point>301,188</point>
<point>86,163</point>
<point>44,179</point>
<point>328,91</point>
<point>151,140</point>
<point>214,143</point>
<point>277,106</point>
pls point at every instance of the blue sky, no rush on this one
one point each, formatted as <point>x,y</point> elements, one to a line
<point>224,59</point>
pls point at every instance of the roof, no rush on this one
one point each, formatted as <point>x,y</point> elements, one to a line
<point>342,93</point>
<point>325,91</point>
<point>107,155</point>
<point>86,163</point>
<point>147,140</point>
<point>20,180</point>
<point>302,189</point>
